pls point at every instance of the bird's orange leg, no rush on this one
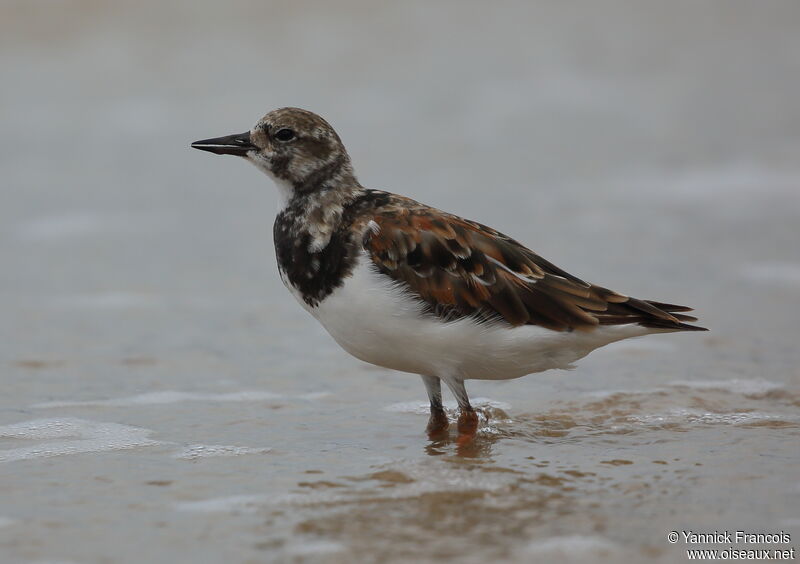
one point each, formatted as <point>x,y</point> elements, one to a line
<point>437,424</point>
<point>467,418</point>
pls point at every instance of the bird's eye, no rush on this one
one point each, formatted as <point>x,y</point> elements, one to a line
<point>284,134</point>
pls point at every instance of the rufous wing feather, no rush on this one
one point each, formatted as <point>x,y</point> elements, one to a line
<point>461,268</point>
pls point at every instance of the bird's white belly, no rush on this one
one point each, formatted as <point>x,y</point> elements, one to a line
<point>373,319</point>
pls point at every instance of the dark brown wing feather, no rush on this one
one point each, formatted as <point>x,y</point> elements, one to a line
<point>462,268</point>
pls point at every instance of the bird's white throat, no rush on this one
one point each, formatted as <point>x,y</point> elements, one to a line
<point>285,188</point>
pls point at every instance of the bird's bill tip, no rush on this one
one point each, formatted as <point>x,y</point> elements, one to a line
<point>238,144</point>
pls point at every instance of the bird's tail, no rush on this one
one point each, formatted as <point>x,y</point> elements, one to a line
<point>648,313</point>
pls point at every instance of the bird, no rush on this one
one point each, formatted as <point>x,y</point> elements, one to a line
<point>405,286</point>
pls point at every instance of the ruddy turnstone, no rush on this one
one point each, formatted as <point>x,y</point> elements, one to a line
<point>406,286</point>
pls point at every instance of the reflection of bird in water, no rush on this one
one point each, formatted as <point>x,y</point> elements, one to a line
<point>409,287</point>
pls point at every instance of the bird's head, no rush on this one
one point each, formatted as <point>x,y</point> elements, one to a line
<point>295,147</point>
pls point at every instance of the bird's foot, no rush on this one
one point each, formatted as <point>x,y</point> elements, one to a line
<point>437,425</point>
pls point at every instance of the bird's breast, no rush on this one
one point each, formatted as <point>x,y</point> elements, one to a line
<point>311,273</point>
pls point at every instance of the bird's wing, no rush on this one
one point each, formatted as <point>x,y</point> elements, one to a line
<point>461,268</point>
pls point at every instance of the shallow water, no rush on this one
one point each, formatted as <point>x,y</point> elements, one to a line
<point>166,400</point>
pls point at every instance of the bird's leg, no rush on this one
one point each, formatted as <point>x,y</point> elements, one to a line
<point>467,418</point>
<point>437,423</point>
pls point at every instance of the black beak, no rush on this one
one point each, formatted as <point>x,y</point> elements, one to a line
<point>238,144</point>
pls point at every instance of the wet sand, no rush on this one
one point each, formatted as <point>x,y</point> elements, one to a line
<point>166,400</point>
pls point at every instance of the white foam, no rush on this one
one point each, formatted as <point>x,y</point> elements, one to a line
<point>603,394</point>
<point>708,418</point>
<point>193,452</point>
<point>228,504</point>
<point>424,477</point>
<point>84,436</point>
<point>161,398</point>
<point>424,408</point>
<point>783,273</point>
<point>313,548</point>
<point>755,387</point>
<point>572,546</point>
<point>312,396</point>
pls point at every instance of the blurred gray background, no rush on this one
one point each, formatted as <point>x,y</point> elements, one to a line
<point>543,119</point>
<point>651,147</point>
